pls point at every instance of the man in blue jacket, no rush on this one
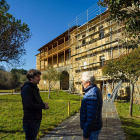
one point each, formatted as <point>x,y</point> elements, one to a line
<point>32,105</point>
<point>91,108</point>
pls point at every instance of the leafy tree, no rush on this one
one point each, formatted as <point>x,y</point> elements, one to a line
<point>23,79</point>
<point>13,35</point>
<point>127,12</point>
<point>5,80</point>
<point>126,66</point>
<point>51,75</point>
<point>22,71</point>
<point>14,80</point>
<point>19,71</point>
<point>18,77</point>
<point>14,71</point>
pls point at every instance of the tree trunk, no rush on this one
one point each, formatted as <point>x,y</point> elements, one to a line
<point>131,99</point>
<point>45,87</point>
<point>57,92</point>
<point>49,92</point>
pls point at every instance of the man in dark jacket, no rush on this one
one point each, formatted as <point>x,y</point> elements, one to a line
<point>32,105</point>
<point>91,108</point>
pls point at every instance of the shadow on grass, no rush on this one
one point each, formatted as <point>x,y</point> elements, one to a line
<point>11,132</point>
<point>131,127</point>
<point>8,133</point>
<point>10,100</point>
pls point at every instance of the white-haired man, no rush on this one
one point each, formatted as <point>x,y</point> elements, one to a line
<point>91,108</point>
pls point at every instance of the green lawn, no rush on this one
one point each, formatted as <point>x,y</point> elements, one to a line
<point>131,125</point>
<point>11,113</point>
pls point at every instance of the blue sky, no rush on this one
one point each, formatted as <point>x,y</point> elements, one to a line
<point>46,19</point>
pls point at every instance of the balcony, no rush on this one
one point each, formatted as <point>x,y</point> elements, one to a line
<point>43,68</point>
<point>55,50</point>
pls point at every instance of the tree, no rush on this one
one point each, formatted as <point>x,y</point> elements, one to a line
<point>5,80</point>
<point>126,11</point>
<point>51,75</point>
<point>23,79</point>
<point>14,70</point>
<point>18,77</point>
<point>14,80</point>
<point>126,66</point>
<point>13,36</point>
<point>2,68</point>
<point>19,71</point>
<point>22,71</point>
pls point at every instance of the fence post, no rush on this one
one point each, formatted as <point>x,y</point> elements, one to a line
<point>38,137</point>
<point>11,91</point>
<point>57,92</point>
<point>80,101</point>
<point>68,108</point>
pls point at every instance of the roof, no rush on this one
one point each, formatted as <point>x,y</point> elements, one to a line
<point>58,37</point>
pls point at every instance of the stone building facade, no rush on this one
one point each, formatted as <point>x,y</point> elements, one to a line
<point>55,54</point>
<point>84,48</point>
<point>91,45</point>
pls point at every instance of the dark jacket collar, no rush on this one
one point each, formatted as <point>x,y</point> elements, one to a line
<point>91,86</point>
<point>30,84</point>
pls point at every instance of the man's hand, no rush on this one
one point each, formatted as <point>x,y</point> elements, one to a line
<point>85,138</point>
<point>46,106</point>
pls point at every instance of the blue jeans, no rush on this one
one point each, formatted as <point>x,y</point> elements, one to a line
<point>94,135</point>
<point>31,130</point>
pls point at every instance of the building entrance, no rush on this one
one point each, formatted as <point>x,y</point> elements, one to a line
<point>64,83</point>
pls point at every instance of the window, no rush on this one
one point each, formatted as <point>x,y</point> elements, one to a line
<point>102,60</point>
<point>101,34</point>
<point>77,36</point>
<point>84,40</point>
<point>77,47</point>
<point>85,63</point>
<point>92,28</point>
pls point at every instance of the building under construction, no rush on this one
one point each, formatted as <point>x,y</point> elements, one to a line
<point>93,43</point>
<point>90,40</point>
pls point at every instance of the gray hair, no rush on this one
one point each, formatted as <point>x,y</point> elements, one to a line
<point>88,76</point>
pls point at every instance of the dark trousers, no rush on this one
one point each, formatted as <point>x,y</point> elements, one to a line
<point>31,130</point>
<point>94,135</point>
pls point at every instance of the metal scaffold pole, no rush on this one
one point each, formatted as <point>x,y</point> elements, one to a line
<point>92,43</point>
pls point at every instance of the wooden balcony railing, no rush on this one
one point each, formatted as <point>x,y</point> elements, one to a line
<point>61,46</point>
<point>55,50</point>
<point>67,62</point>
<point>49,52</point>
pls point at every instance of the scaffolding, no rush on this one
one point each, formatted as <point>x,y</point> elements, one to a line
<point>94,41</point>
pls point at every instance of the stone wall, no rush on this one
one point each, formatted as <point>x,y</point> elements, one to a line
<point>44,85</point>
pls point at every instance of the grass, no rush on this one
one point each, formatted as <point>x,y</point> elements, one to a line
<point>131,125</point>
<point>11,113</point>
